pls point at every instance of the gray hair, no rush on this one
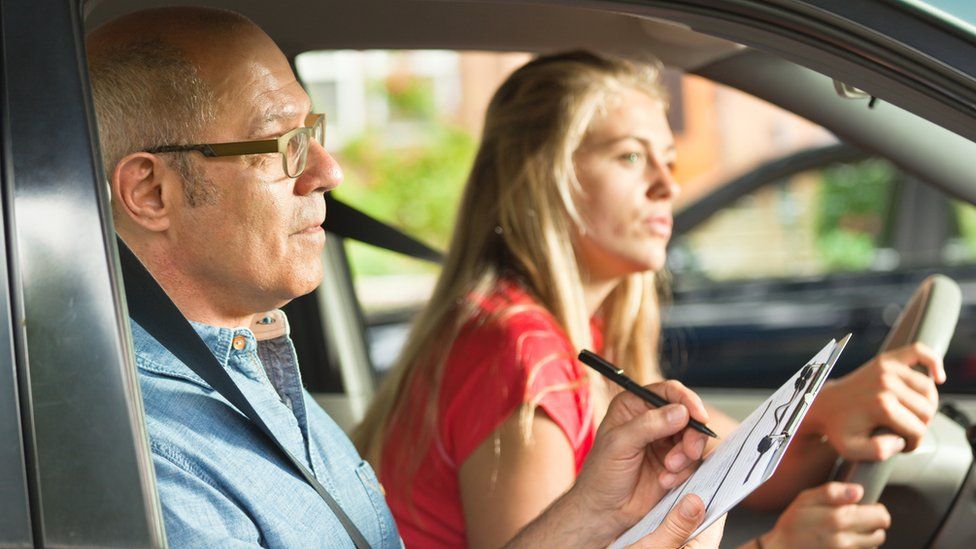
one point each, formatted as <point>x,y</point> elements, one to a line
<point>149,94</point>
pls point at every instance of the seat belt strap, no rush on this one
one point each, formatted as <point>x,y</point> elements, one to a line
<point>348,222</point>
<point>149,306</point>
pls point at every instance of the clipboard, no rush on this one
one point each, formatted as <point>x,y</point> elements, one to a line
<point>750,455</point>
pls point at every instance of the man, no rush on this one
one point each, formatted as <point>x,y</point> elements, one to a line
<point>231,238</point>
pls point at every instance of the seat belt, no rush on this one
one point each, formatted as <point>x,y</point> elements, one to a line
<point>348,222</point>
<point>157,314</point>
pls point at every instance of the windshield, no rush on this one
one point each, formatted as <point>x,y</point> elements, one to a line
<point>958,13</point>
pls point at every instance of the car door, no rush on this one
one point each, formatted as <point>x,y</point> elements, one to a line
<point>75,469</point>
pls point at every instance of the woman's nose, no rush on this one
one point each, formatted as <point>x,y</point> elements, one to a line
<point>663,185</point>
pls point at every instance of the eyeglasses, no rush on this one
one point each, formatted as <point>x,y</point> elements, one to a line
<point>293,146</point>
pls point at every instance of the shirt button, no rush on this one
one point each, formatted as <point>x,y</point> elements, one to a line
<point>239,342</point>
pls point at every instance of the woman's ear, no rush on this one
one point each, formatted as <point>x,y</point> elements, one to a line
<point>140,189</point>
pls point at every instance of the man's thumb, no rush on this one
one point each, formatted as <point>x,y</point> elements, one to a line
<point>678,526</point>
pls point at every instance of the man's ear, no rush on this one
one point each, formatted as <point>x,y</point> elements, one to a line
<point>143,188</point>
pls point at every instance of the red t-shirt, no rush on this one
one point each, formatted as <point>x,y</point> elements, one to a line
<point>513,352</point>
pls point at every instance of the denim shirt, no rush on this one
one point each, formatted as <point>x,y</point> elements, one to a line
<point>220,482</point>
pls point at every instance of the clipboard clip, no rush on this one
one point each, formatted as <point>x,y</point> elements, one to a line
<point>806,386</point>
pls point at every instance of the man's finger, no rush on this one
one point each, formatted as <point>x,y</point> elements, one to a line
<point>675,391</point>
<point>694,443</point>
<point>678,526</point>
<point>650,426</point>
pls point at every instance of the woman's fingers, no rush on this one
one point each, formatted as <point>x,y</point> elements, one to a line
<point>864,447</point>
<point>902,421</point>
<point>858,540</point>
<point>917,402</point>
<point>921,383</point>
<point>831,493</point>
<point>919,353</point>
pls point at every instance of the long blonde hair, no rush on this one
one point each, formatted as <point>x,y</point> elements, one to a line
<point>517,219</point>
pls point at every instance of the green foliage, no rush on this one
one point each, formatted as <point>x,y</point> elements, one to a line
<point>416,189</point>
<point>966,219</point>
<point>853,202</point>
<point>410,96</point>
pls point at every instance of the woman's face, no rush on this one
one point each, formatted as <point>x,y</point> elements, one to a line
<point>624,167</point>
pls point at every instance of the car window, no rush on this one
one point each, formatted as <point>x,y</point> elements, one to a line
<point>405,138</point>
<point>750,271</point>
<point>840,217</point>
<point>835,218</point>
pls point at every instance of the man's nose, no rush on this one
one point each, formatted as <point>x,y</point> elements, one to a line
<point>322,172</point>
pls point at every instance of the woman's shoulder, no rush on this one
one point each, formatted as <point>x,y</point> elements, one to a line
<point>511,321</point>
<point>510,353</point>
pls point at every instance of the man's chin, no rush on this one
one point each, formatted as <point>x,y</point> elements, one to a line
<point>306,285</point>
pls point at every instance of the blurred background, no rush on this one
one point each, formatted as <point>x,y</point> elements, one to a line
<point>775,218</point>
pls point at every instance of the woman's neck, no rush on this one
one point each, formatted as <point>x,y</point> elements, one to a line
<point>595,292</point>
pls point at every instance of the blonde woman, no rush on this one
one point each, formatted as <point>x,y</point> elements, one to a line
<point>564,222</point>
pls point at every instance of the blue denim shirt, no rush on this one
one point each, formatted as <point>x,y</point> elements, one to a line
<point>221,483</point>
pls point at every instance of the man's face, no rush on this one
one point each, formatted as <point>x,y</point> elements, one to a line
<point>260,239</point>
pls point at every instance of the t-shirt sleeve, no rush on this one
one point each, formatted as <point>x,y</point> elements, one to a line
<point>495,368</point>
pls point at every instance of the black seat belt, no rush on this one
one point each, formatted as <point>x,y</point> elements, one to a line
<point>348,222</point>
<point>157,314</point>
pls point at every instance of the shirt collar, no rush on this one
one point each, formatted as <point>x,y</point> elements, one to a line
<point>152,356</point>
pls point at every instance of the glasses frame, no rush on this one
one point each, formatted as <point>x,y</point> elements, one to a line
<point>261,146</point>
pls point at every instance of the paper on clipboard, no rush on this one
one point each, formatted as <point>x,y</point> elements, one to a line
<point>748,456</point>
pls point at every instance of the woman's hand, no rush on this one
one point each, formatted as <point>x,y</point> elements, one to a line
<point>885,392</point>
<point>828,516</point>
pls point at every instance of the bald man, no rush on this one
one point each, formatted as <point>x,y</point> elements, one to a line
<point>231,235</point>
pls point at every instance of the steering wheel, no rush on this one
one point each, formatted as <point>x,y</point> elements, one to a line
<point>930,318</point>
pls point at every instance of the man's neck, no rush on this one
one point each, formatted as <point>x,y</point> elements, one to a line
<point>196,299</point>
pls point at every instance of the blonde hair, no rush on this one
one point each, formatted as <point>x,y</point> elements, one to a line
<point>517,219</point>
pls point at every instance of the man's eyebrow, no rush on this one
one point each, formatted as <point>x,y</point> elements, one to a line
<point>272,118</point>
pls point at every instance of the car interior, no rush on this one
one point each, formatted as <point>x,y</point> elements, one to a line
<point>803,57</point>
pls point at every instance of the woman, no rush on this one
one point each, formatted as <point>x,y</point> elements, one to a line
<point>564,223</point>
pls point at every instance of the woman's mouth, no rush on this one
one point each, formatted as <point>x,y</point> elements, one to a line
<point>659,225</point>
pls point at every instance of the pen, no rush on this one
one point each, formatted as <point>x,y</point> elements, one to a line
<point>617,376</point>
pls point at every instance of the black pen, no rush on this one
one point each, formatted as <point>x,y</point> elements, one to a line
<point>617,376</point>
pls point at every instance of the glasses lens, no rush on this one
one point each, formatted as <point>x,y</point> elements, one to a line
<point>319,130</point>
<point>297,154</point>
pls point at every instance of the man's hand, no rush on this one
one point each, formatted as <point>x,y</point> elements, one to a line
<point>639,454</point>
<point>680,523</point>
<point>885,392</point>
<point>828,516</point>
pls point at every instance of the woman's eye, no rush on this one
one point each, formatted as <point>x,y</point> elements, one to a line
<point>632,157</point>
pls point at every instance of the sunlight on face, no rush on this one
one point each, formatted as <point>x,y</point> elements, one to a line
<point>261,241</point>
<point>624,167</point>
